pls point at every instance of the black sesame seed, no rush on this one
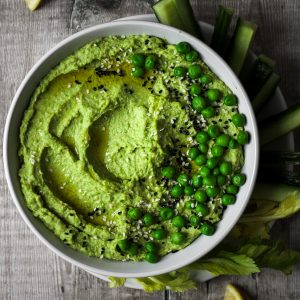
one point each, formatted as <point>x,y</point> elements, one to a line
<point>77,82</point>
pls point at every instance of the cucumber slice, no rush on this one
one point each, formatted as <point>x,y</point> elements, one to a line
<point>280,124</point>
<point>265,92</point>
<point>179,14</point>
<point>240,43</point>
<point>262,69</point>
<point>219,39</point>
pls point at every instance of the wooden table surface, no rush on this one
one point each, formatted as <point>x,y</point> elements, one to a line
<point>28,270</point>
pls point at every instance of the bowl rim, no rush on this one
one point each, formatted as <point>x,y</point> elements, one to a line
<point>176,265</point>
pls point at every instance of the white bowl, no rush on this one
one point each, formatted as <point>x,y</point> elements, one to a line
<point>170,262</point>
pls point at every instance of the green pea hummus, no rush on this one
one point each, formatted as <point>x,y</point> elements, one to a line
<point>94,139</point>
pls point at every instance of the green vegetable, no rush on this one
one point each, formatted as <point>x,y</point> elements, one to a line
<point>179,71</point>
<point>200,196</point>
<point>200,160</point>
<point>239,120</point>
<point>279,124</point>
<point>207,229</point>
<point>266,92</point>
<point>192,56</point>
<point>115,282</point>
<point>199,103</point>
<point>189,204</point>
<point>183,47</point>
<point>178,238</point>
<point>221,180</point>
<point>151,257</point>
<point>223,140</point>
<point>195,220</point>
<point>212,162</point>
<point>225,168</point>
<point>202,137</point>
<point>178,221</point>
<point>189,190</point>
<point>166,213</point>
<point>209,180</point>
<point>149,219</point>
<point>134,213</point>
<point>243,137</point>
<point>179,14</point>
<point>213,94</point>
<point>217,151</point>
<point>124,245</point>
<point>194,71</point>
<point>138,60</point>
<point>208,112</point>
<point>195,89</point>
<point>183,179</point>
<point>239,179</point>
<point>197,180</point>
<point>230,100</point>
<point>205,79</point>
<point>134,249</point>
<point>203,147</point>
<point>223,20</point>
<point>212,191</point>
<point>137,72</point>
<point>240,43</point>
<point>201,210</point>
<point>177,191</point>
<point>204,171</point>
<point>151,247</point>
<point>159,234</point>
<point>150,62</point>
<point>168,172</point>
<point>193,153</point>
<point>228,199</point>
<point>213,131</point>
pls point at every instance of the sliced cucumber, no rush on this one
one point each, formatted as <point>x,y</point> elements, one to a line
<point>280,124</point>
<point>265,92</point>
<point>219,39</point>
<point>240,43</point>
<point>261,70</point>
<point>179,14</point>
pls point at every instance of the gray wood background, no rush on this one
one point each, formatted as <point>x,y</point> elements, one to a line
<point>28,270</point>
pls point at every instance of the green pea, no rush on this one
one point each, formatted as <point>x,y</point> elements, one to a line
<point>202,137</point>
<point>138,60</point>
<point>203,147</point>
<point>183,179</point>
<point>189,190</point>
<point>137,72</point>
<point>230,100</point>
<point>183,47</point>
<point>225,167</point>
<point>223,140</point>
<point>189,204</point>
<point>159,234</point>
<point>212,191</point>
<point>194,71</point>
<point>228,199</point>
<point>176,191</point>
<point>151,257</point>
<point>212,162</point>
<point>232,189</point>
<point>200,196</point>
<point>207,229</point>
<point>239,179</point>
<point>221,180</point>
<point>133,250</point>
<point>213,94</point>
<point>200,160</point>
<point>201,210</point>
<point>205,79</point>
<point>239,120</point>
<point>199,103</point>
<point>195,89</point>
<point>168,172</point>
<point>124,245</point>
<point>179,71</point>
<point>150,62</point>
<point>178,221</point>
<point>193,153</point>
<point>192,56</point>
<point>197,180</point>
<point>217,151</point>
<point>209,180</point>
<point>134,213</point>
<point>243,137</point>
<point>204,171</point>
<point>216,172</point>
<point>213,131</point>
<point>208,112</point>
<point>233,144</point>
<point>150,247</point>
<point>195,220</point>
<point>177,238</point>
<point>166,213</point>
<point>149,219</point>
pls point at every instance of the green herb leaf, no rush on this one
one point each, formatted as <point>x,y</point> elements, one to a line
<point>226,263</point>
<point>116,281</point>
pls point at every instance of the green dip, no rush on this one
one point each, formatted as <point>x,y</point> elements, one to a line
<point>94,140</point>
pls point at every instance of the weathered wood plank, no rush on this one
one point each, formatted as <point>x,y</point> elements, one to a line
<point>27,269</point>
